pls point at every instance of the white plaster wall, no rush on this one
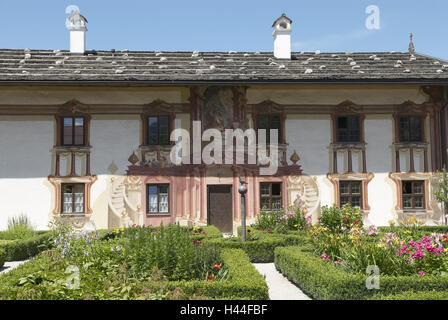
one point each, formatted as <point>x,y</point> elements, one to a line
<point>25,163</point>
<point>310,136</point>
<point>379,137</point>
<point>113,140</point>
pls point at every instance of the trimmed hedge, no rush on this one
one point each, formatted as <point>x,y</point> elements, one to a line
<point>411,295</point>
<point>2,257</point>
<point>431,229</point>
<point>322,280</point>
<point>16,250</point>
<point>244,281</point>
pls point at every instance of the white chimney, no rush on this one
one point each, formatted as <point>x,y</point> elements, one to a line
<point>282,37</point>
<point>77,27</point>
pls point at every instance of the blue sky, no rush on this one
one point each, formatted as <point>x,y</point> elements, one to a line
<point>240,25</point>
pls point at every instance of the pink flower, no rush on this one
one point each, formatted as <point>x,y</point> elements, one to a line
<point>422,273</point>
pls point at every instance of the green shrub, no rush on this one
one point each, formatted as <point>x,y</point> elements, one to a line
<point>16,250</point>
<point>421,229</point>
<point>336,219</point>
<point>323,280</point>
<point>244,281</point>
<point>172,251</point>
<point>19,227</point>
<point>261,250</point>
<point>411,295</point>
<point>2,257</point>
<point>44,277</point>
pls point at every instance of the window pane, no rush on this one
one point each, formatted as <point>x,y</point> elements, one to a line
<point>344,187</point>
<point>418,202</point>
<point>356,187</point>
<point>418,187</point>
<point>79,131</point>
<point>407,202</point>
<point>276,189</point>
<point>276,203</point>
<point>153,131</point>
<point>67,137</point>
<point>262,122</point>
<point>275,122</point>
<point>415,129</point>
<point>152,203</point>
<point>67,206</point>
<point>265,189</point>
<point>407,187</point>
<point>344,201</point>
<point>265,203</point>
<point>356,201</point>
<point>79,198</point>
<point>342,123</point>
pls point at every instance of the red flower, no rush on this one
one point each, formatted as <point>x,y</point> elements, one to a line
<point>197,241</point>
<point>248,230</point>
<point>262,229</point>
<point>203,232</point>
<point>356,222</point>
<point>211,277</point>
<point>269,230</point>
<point>217,266</point>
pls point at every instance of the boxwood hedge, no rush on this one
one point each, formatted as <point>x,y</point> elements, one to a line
<point>244,281</point>
<point>322,280</point>
<point>23,249</point>
<point>411,295</point>
<point>2,257</point>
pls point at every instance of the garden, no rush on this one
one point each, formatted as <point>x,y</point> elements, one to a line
<point>338,258</point>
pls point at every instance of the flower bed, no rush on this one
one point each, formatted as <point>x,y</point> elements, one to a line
<point>323,280</point>
<point>139,263</point>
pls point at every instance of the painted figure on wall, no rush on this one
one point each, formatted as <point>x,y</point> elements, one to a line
<point>218,108</point>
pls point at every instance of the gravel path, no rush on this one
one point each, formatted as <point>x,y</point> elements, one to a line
<point>10,266</point>
<point>280,288</point>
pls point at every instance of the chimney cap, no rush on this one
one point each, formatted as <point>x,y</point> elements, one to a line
<point>77,20</point>
<point>282,17</point>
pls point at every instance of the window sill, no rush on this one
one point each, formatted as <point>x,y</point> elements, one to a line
<point>345,145</point>
<point>152,214</point>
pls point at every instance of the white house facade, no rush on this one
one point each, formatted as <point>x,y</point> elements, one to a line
<point>85,136</point>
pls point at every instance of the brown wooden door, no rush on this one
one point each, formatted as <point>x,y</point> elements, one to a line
<point>220,207</point>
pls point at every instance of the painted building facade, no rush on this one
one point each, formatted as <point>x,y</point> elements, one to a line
<point>85,137</point>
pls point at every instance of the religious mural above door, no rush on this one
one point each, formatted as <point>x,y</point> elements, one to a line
<point>217,112</point>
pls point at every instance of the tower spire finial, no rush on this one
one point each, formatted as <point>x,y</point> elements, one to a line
<point>411,44</point>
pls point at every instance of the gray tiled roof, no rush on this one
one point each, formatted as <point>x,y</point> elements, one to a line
<point>179,67</point>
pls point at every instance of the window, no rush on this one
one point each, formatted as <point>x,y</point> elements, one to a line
<point>158,130</point>
<point>410,129</point>
<point>268,122</point>
<point>72,198</point>
<point>348,129</point>
<point>413,195</point>
<point>158,198</point>
<point>351,193</point>
<point>270,196</point>
<point>73,132</point>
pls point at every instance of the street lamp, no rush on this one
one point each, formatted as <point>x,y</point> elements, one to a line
<point>242,190</point>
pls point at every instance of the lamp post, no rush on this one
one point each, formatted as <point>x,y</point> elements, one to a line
<point>242,190</point>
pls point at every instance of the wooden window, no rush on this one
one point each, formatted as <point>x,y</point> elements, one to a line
<point>350,192</point>
<point>348,129</point>
<point>158,198</point>
<point>73,131</point>
<point>410,129</point>
<point>268,122</point>
<point>73,198</point>
<point>158,130</point>
<point>413,195</point>
<point>270,196</point>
